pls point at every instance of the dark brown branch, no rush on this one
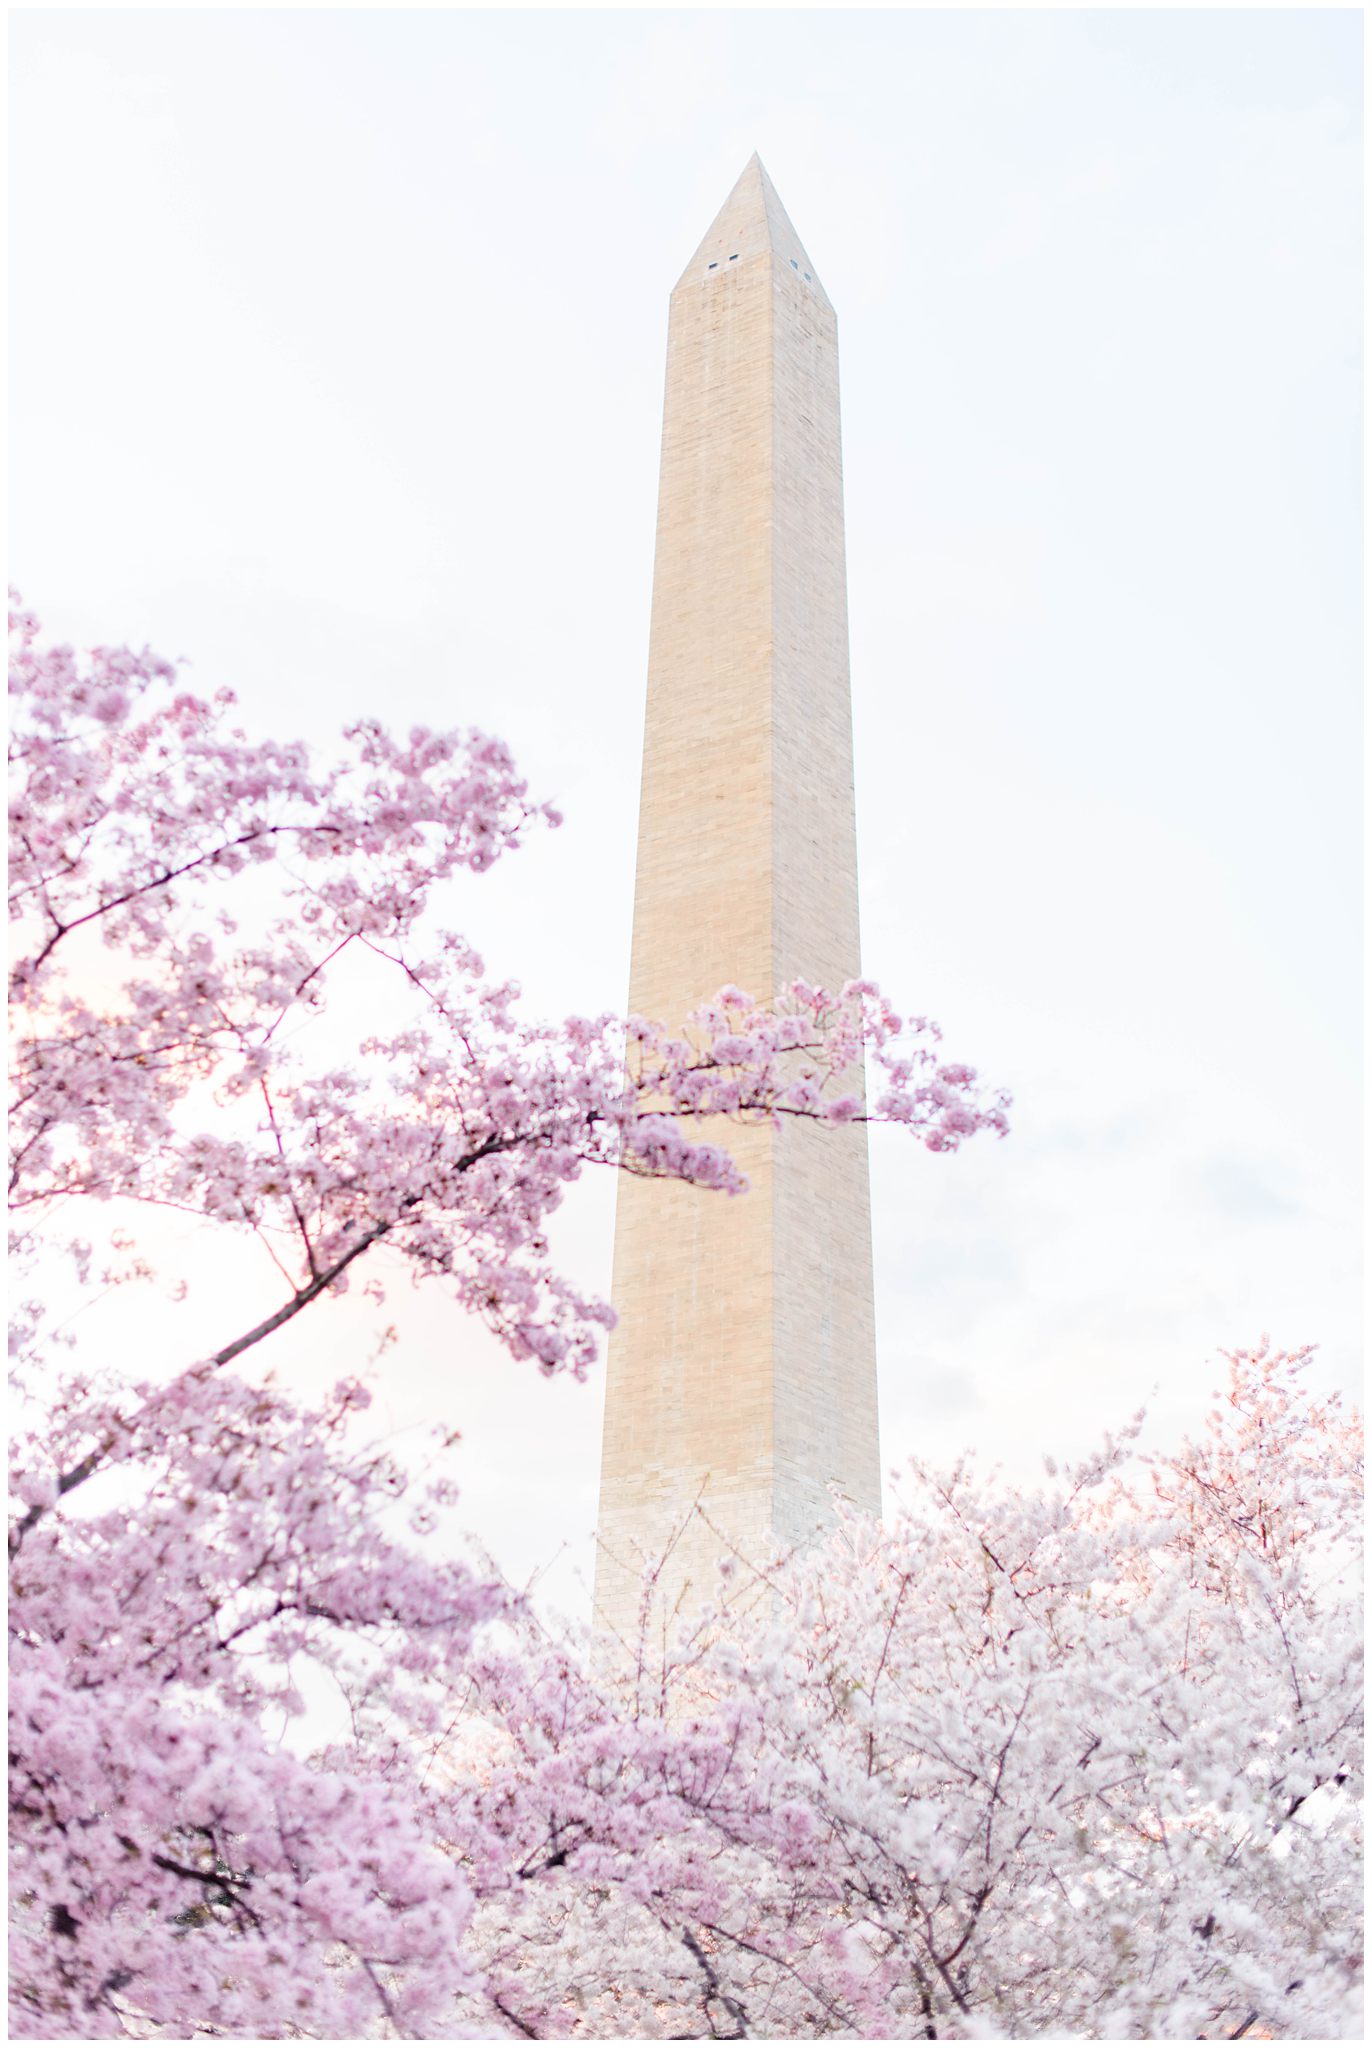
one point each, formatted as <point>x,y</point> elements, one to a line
<point>161,881</point>
<point>716,1994</point>
<point>301,1299</point>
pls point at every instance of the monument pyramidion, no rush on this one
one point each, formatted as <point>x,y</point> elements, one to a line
<point>742,1375</point>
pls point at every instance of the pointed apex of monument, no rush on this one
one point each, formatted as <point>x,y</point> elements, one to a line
<point>751,222</point>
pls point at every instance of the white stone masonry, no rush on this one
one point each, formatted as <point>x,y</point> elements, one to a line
<point>743,1370</point>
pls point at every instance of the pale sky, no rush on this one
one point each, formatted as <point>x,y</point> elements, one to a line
<point>337,359</point>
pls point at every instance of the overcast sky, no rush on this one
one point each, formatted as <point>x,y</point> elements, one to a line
<point>337,366</point>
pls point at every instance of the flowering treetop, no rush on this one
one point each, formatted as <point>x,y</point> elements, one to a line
<point>136,808</point>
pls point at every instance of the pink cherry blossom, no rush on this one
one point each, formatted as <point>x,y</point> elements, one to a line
<point>1079,1761</point>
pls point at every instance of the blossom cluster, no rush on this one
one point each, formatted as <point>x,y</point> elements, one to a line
<point>137,806</point>
<point>1076,1761</point>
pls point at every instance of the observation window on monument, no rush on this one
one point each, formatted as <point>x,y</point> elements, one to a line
<point>734,257</point>
<point>794,264</point>
<point>714,266</point>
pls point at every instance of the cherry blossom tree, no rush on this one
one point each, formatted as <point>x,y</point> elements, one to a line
<point>137,805</point>
<point>1075,1760</point>
<point>182,897</point>
<point>1081,1761</point>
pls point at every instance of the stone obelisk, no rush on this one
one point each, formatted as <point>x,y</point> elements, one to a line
<point>743,1373</point>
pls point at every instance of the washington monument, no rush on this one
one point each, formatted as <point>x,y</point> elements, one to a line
<point>743,1371</point>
